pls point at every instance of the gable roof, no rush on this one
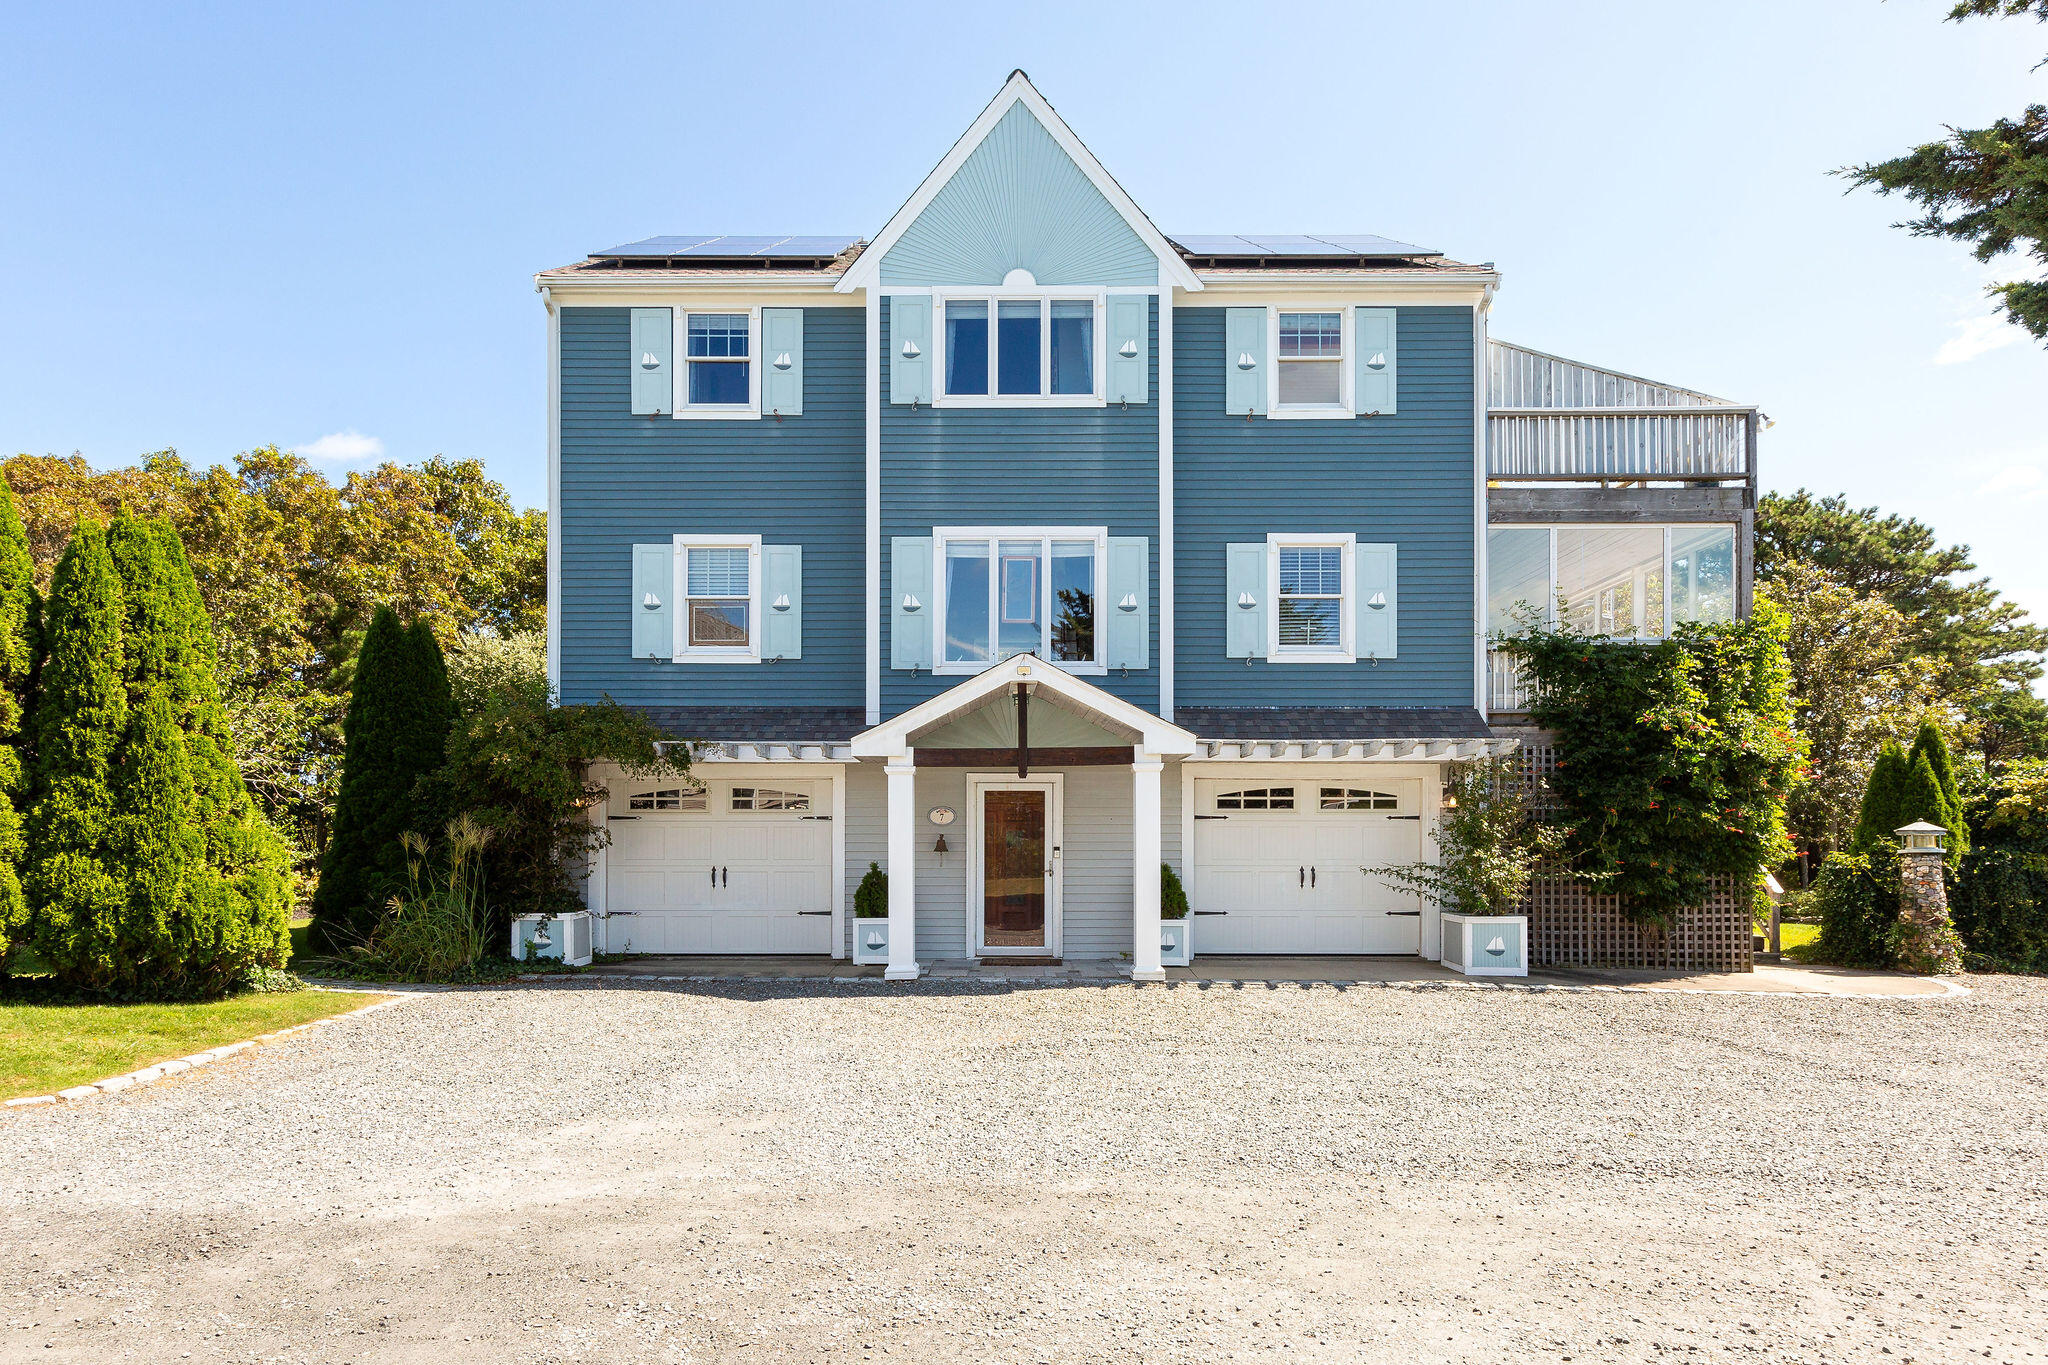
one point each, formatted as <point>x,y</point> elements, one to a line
<point>1154,735</point>
<point>866,270</point>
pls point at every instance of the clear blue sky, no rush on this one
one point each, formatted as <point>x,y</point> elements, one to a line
<point>225,226</point>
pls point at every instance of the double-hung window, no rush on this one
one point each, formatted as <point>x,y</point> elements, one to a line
<point>1312,579</point>
<point>721,596</point>
<point>1310,374</point>
<point>718,362</point>
<point>1001,350</point>
<point>1006,592</point>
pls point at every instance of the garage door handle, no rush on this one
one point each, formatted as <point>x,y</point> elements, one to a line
<point>1212,912</point>
<point>1301,876</point>
<point>1311,879</point>
<point>714,877</point>
<point>1406,914</point>
<point>814,912</point>
<point>725,876</point>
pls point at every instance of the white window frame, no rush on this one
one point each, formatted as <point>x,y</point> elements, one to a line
<point>1347,364</point>
<point>687,653</point>
<point>1550,606</point>
<point>679,346</point>
<point>1046,296</point>
<point>1347,608</point>
<point>1045,536</point>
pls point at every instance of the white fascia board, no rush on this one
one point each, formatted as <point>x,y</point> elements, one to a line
<point>866,271</point>
<point>700,294</point>
<point>890,739</point>
<point>1459,290</point>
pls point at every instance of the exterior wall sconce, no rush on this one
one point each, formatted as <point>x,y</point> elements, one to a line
<point>650,602</point>
<point>1450,799</point>
<point>1129,350</point>
<point>1128,602</point>
<point>911,350</point>
<point>781,602</point>
<point>910,602</point>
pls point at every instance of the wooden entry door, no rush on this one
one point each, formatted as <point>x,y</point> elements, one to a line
<point>1014,889</point>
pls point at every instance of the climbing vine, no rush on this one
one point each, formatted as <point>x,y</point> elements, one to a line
<point>1675,757</point>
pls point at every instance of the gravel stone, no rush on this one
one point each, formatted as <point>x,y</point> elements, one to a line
<point>802,1171</point>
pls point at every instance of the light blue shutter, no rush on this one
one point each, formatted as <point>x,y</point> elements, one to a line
<point>1373,579</point>
<point>1244,340</point>
<point>910,602</point>
<point>1244,582</point>
<point>1130,326</point>
<point>654,585</point>
<point>782,599</point>
<point>1127,600</point>
<point>654,385</point>
<point>910,329</point>
<point>1377,384</point>
<point>782,361</point>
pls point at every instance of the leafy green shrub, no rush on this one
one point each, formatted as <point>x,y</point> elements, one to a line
<point>20,622</point>
<point>1489,842</point>
<point>1998,900</point>
<point>1857,900</point>
<point>270,981</point>
<point>439,926</point>
<point>1173,897</point>
<point>871,897</point>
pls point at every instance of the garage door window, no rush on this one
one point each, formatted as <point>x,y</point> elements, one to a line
<point>667,798</point>
<point>769,799</point>
<point>1358,798</point>
<point>1257,798</point>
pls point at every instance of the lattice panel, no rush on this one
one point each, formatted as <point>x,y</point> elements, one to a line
<point>1571,927</point>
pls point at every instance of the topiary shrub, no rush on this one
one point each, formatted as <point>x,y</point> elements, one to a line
<point>871,897</point>
<point>1173,897</point>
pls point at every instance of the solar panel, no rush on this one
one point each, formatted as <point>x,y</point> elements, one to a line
<point>706,244</point>
<point>1267,245</point>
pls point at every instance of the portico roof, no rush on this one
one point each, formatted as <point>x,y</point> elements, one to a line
<point>895,737</point>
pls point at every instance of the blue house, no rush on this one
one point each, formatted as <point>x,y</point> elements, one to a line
<point>1023,547</point>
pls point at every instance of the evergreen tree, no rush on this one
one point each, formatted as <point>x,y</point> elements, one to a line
<point>75,892</point>
<point>1879,818</point>
<point>19,621</point>
<point>396,732</point>
<point>1920,795</point>
<point>1931,743</point>
<point>155,848</point>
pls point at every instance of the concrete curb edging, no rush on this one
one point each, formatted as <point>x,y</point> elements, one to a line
<point>159,1070</point>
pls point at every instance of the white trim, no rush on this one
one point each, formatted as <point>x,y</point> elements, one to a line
<point>728,293</point>
<point>1045,536</point>
<point>901,776</point>
<point>1165,509</point>
<point>867,268</point>
<point>872,568</point>
<point>942,295</point>
<point>1347,625</point>
<point>1346,405</point>
<point>1374,751</point>
<point>1480,569</point>
<point>679,625</point>
<point>839,863</point>
<point>679,344</point>
<point>976,904</point>
<point>1401,289</point>
<point>1146,855</point>
<point>554,528</point>
<point>891,738</point>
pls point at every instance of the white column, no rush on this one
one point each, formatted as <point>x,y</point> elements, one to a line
<point>902,868</point>
<point>1145,770</point>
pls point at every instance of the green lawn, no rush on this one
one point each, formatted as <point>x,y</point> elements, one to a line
<point>47,1048</point>
<point>1797,941</point>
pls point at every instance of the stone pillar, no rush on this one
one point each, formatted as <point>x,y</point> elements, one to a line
<point>902,779</point>
<point>1930,942</point>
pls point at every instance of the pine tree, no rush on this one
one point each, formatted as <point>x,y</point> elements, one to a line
<point>396,732</point>
<point>1931,743</point>
<point>1879,818</point>
<point>20,612</point>
<point>75,893</point>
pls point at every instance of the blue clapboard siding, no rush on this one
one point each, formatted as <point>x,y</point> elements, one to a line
<point>1020,467</point>
<point>1405,479</point>
<point>628,479</point>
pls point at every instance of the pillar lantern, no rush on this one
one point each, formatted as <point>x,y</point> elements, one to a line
<point>1930,944</point>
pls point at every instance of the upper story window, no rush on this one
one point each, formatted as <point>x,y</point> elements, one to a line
<point>721,597</point>
<point>717,354</point>
<point>1007,592</point>
<point>1311,375</point>
<point>1634,582</point>
<point>1003,349</point>
<point>1311,617</point>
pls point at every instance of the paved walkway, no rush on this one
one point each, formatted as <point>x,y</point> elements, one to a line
<point>1769,980</point>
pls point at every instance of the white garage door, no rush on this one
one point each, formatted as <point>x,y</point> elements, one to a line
<point>723,867</point>
<point>1288,865</point>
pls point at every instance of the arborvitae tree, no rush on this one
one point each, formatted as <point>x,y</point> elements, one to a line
<point>396,732</point>
<point>1880,817</point>
<point>19,621</point>
<point>75,891</point>
<point>155,846</point>
<point>1929,742</point>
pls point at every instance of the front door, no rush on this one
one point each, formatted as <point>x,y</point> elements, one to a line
<point>1017,862</point>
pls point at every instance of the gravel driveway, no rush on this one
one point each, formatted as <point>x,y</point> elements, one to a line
<point>808,1172</point>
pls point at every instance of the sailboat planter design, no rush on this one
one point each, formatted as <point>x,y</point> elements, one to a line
<point>1486,945</point>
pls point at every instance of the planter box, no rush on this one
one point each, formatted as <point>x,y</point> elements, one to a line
<point>1176,942</point>
<point>871,940</point>
<point>568,938</point>
<point>1487,945</point>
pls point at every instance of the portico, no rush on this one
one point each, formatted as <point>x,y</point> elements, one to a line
<point>1018,730</point>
